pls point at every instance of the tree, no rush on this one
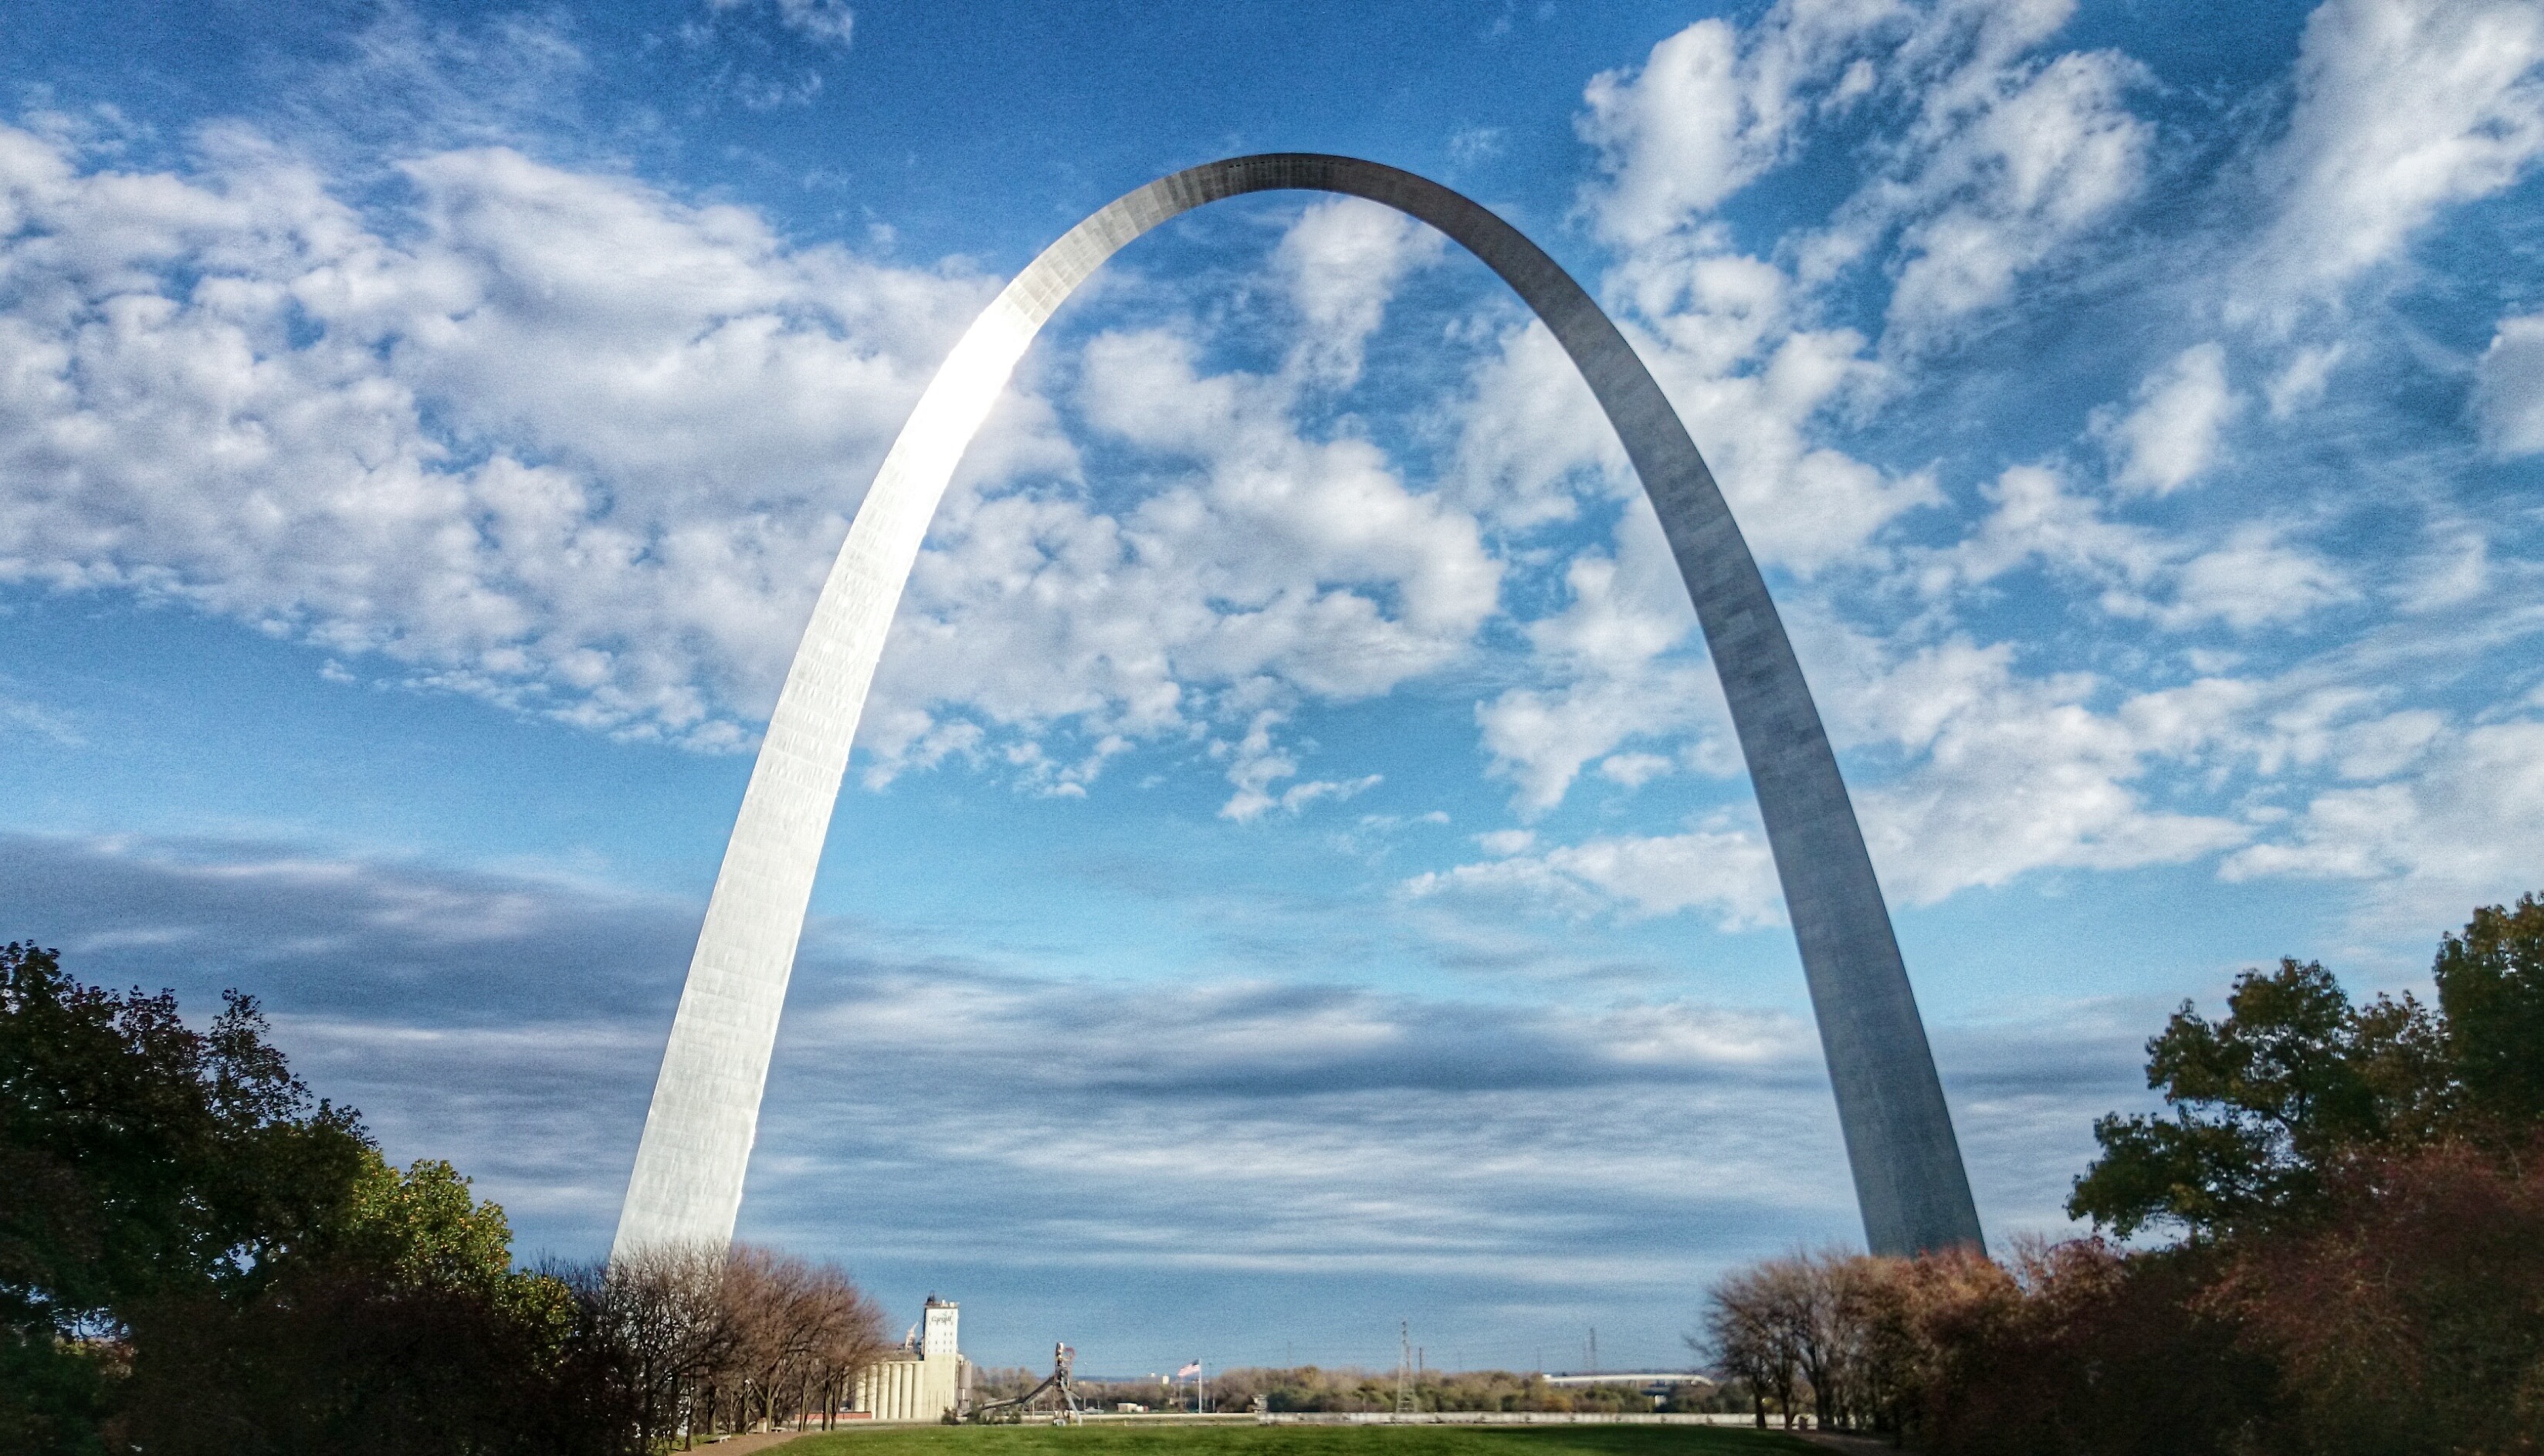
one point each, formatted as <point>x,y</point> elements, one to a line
<point>798,1327</point>
<point>2491,991</point>
<point>2361,1187</point>
<point>2433,1261</point>
<point>2271,1102</point>
<point>196,1255</point>
<point>2265,1102</point>
<point>660,1319</point>
<point>140,1162</point>
<point>697,1338</point>
<point>1752,1333</point>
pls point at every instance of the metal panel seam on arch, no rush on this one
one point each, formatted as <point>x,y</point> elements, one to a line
<point>687,1188</point>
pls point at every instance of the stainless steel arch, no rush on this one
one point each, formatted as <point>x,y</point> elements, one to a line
<point>687,1182</point>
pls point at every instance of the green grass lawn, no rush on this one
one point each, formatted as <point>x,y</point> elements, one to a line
<point>1266,1440</point>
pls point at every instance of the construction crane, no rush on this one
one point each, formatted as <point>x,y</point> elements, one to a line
<point>1012,1412</point>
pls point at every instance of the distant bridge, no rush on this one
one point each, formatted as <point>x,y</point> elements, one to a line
<point>1632,1377</point>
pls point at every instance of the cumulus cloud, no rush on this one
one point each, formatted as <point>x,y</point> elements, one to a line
<point>1999,775</point>
<point>2403,107</point>
<point>1724,871</point>
<point>1711,108</point>
<point>565,442</point>
<point>1633,771</point>
<point>1611,679</point>
<point>2463,830</point>
<point>2508,387</point>
<point>2006,160</point>
<point>1801,504</point>
<point>2000,190</point>
<point>1340,262</point>
<point>1532,444</point>
<point>2171,435</point>
<point>1270,566</point>
<point>573,445</point>
<point>2253,578</point>
<point>1998,160</point>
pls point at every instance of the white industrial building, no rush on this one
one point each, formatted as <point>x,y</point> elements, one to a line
<point>921,1378</point>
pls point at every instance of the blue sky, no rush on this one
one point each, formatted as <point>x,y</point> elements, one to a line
<point>1296,874</point>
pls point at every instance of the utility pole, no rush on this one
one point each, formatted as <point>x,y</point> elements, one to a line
<point>1594,1349</point>
<point>1404,1369</point>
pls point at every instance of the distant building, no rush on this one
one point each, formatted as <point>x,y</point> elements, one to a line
<point>921,1378</point>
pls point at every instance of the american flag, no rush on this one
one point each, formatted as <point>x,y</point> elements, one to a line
<point>1192,1369</point>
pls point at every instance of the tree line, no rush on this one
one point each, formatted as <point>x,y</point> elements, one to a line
<point>198,1255</point>
<point>2331,1242</point>
<point>1312,1388</point>
<point>709,1340</point>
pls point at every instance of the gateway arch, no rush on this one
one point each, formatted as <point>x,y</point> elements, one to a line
<point>687,1188</point>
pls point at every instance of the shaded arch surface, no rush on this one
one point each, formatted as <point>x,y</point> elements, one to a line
<point>687,1188</point>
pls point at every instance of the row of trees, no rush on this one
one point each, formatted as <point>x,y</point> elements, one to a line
<point>705,1340</point>
<point>1315,1388</point>
<point>198,1256</point>
<point>2339,1225</point>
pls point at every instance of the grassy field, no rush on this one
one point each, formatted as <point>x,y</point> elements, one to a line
<point>1267,1440</point>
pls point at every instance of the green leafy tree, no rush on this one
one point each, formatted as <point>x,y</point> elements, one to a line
<point>2265,1102</point>
<point>2491,990</point>
<point>141,1161</point>
<point>198,1255</point>
<point>2270,1103</point>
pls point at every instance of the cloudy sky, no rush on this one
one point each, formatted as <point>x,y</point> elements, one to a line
<point>1296,873</point>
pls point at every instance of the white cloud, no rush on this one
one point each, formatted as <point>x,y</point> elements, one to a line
<point>19,715</point>
<point>2006,775</point>
<point>1718,331</point>
<point>1610,682</point>
<point>565,442</point>
<point>1711,109</point>
<point>573,445</point>
<point>1256,765</point>
<point>2508,387</point>
<point>1726,872</point>
<point>2467,828</point>
<point>1633,771</point>
<point>1469,145</point>
<point>824,21</point>
<point>2034,517</point>
<point>2251,579</point>
<point>2403,107</point>
<point>2303,379</point>
<point>1269,567</point>
<point>1340,262</point>
<point>2000,161</point>
<point>2171,436</point>
<point>1531,438</point>
<point>2000,191</point>
<point>1801,504</point>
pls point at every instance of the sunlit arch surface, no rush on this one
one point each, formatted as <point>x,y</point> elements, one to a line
<point>687,1183</point>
